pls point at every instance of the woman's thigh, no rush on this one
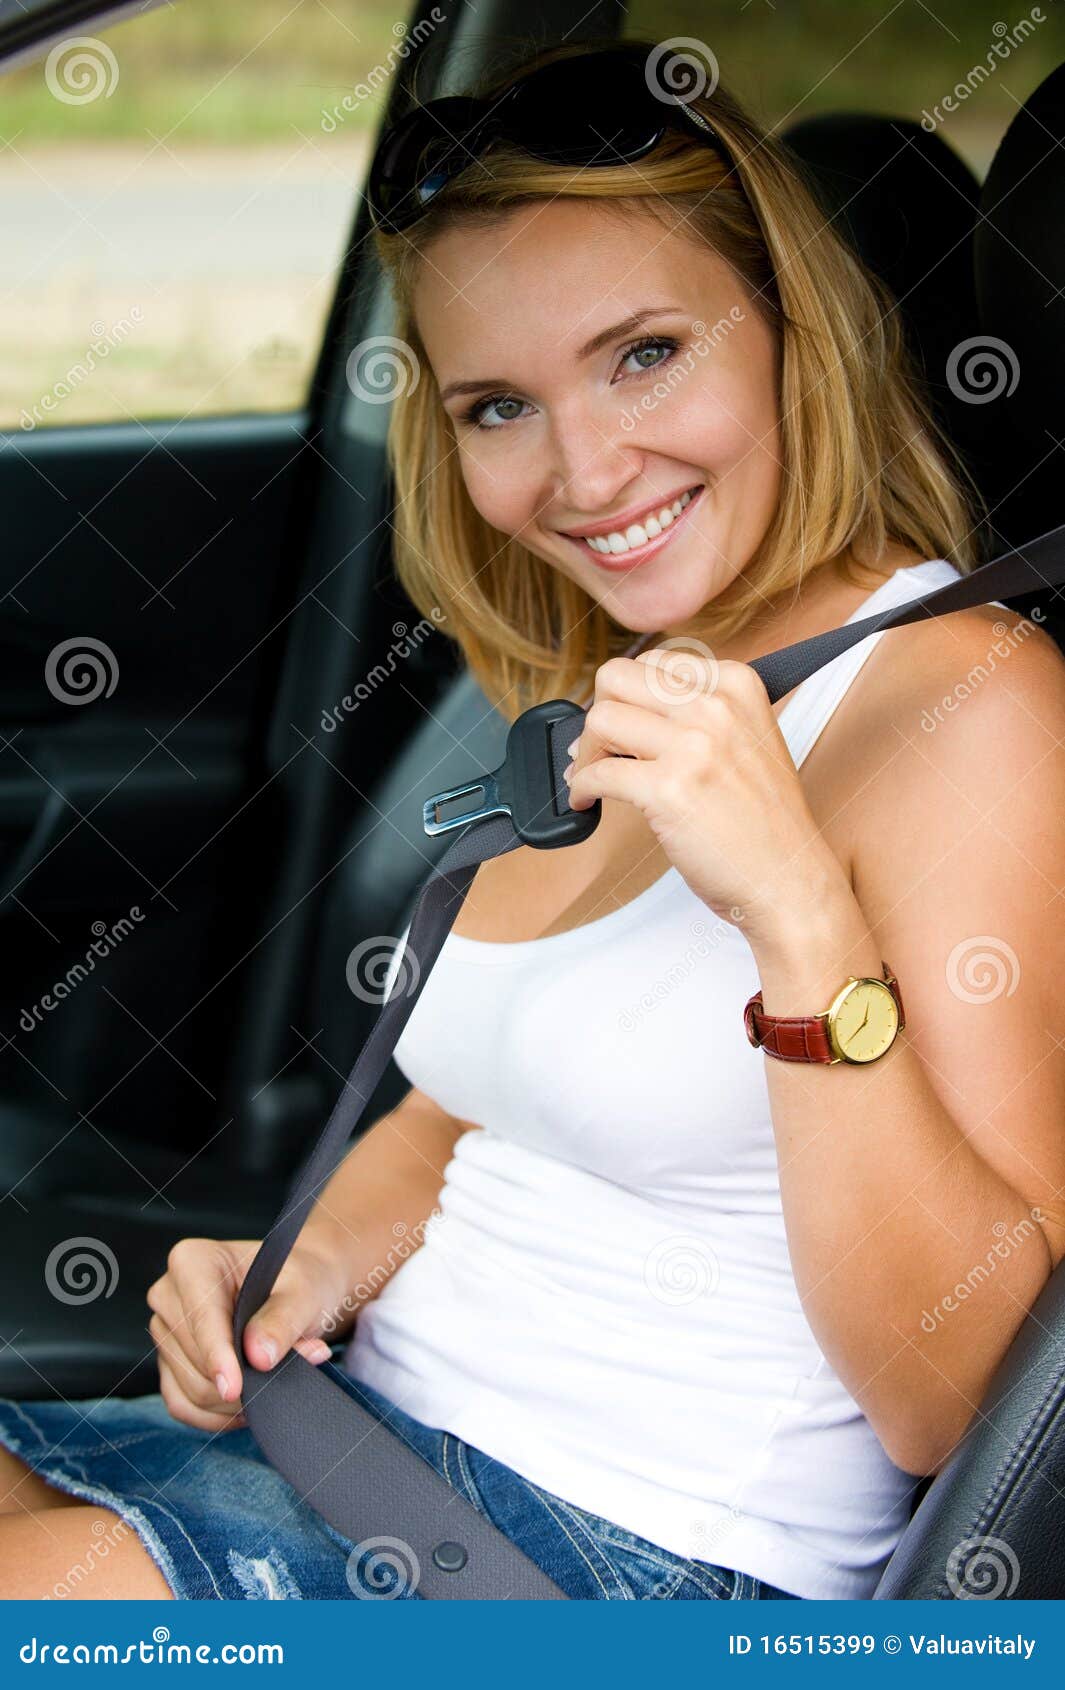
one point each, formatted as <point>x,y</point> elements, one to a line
<point>22,1491</point>
<point>75,1553</point>
<point>208,1512</point>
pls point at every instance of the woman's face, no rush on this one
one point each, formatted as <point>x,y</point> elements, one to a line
<point>580,428</point>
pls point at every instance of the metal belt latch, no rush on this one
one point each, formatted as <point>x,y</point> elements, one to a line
<point>524,787</point>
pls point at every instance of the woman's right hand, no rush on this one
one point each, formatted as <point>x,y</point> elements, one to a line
<point>200,1376</point>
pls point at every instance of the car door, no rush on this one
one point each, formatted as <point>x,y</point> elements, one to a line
<point>195,550</point>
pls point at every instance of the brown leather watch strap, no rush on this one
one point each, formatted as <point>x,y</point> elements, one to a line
<point>800,1038</point>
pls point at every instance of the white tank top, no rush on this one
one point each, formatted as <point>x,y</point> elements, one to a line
<point>606,1302</point>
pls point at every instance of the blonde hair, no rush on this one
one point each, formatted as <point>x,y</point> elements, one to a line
<point>863,462</point>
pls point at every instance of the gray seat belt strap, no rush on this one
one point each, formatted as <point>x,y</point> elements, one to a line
<point>347,1464</point>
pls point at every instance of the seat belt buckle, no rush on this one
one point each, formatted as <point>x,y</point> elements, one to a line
<point>525,786</point>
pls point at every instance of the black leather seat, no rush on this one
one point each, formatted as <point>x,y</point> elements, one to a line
<point>909,206</point>
<point>992,1522</point>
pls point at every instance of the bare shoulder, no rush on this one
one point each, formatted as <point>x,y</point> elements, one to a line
<point>956,746</point>
<point>991,675</point>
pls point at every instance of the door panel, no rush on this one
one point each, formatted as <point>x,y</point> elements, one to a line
<point>143,616</point>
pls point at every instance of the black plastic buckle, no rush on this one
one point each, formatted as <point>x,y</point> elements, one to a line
<point>523,787</point>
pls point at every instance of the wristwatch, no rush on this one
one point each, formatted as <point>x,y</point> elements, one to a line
<point>860,1024</point>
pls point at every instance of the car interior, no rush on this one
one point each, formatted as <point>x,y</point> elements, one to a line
<point>235,852</point>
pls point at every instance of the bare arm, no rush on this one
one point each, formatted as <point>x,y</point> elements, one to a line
<point>371,1216</point>
<point>923,1194</point>
<point>368,1220</point>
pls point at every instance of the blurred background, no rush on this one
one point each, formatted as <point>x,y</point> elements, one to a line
<point>176,193</point>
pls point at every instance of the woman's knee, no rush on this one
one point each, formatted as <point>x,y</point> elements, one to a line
<point>83,1552</point>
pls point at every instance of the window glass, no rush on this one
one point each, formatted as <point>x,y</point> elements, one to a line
<point>176,191</point>
<point>960,67</point>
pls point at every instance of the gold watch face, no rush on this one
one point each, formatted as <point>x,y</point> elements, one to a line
<point>863,1021</point>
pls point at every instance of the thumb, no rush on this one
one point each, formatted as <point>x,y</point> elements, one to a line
<point>284,1318</point>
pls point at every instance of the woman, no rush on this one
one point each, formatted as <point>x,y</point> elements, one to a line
<point>681,1314</point>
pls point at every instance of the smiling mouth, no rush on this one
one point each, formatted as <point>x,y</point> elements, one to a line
<point>627,546</point>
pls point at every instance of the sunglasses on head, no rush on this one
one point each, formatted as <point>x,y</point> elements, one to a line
<point>597,108</point>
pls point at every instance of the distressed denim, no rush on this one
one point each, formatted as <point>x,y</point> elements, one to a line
<point>220,1523</point>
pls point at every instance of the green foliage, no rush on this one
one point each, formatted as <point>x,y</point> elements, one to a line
<point>240,70</point>
<point>256,69</point>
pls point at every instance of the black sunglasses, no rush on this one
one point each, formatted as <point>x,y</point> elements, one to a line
<point>597,108</point>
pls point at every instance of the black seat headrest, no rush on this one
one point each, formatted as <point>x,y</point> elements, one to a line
<point>907,205</point>
<point>1020,275</point>
<point>1020,257</point>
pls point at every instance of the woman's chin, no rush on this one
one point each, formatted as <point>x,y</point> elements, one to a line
<point>646,609</point>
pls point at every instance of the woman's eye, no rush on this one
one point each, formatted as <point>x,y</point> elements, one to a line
<point>649,353</point>
<point>479,413</point>
<point>495,410</point>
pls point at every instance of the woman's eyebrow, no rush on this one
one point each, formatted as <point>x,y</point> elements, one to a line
<point>635,320</point>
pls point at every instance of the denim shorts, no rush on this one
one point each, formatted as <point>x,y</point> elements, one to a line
<point>220,1523</point>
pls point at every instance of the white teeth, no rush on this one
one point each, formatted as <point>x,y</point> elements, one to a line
<point>638,534</point>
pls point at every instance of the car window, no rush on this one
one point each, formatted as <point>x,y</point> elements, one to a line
<point>176,191</point>
<point>958,67</point>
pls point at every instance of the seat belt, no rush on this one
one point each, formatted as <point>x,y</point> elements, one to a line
<point>347,1464</point>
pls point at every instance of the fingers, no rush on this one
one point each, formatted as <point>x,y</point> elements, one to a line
<point>181,1406</point>
<point>614,733</point>
<point>292,1316</point>
<point>196,1300</point>
<point>192,1326</point>
<point>615,727</point>
<point>665,679</point>
<point>193,1391</point>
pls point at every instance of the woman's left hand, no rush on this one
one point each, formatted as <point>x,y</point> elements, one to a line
<point>693,743</point>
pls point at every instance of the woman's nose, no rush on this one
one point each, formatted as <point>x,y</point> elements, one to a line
<point>592,462</point>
